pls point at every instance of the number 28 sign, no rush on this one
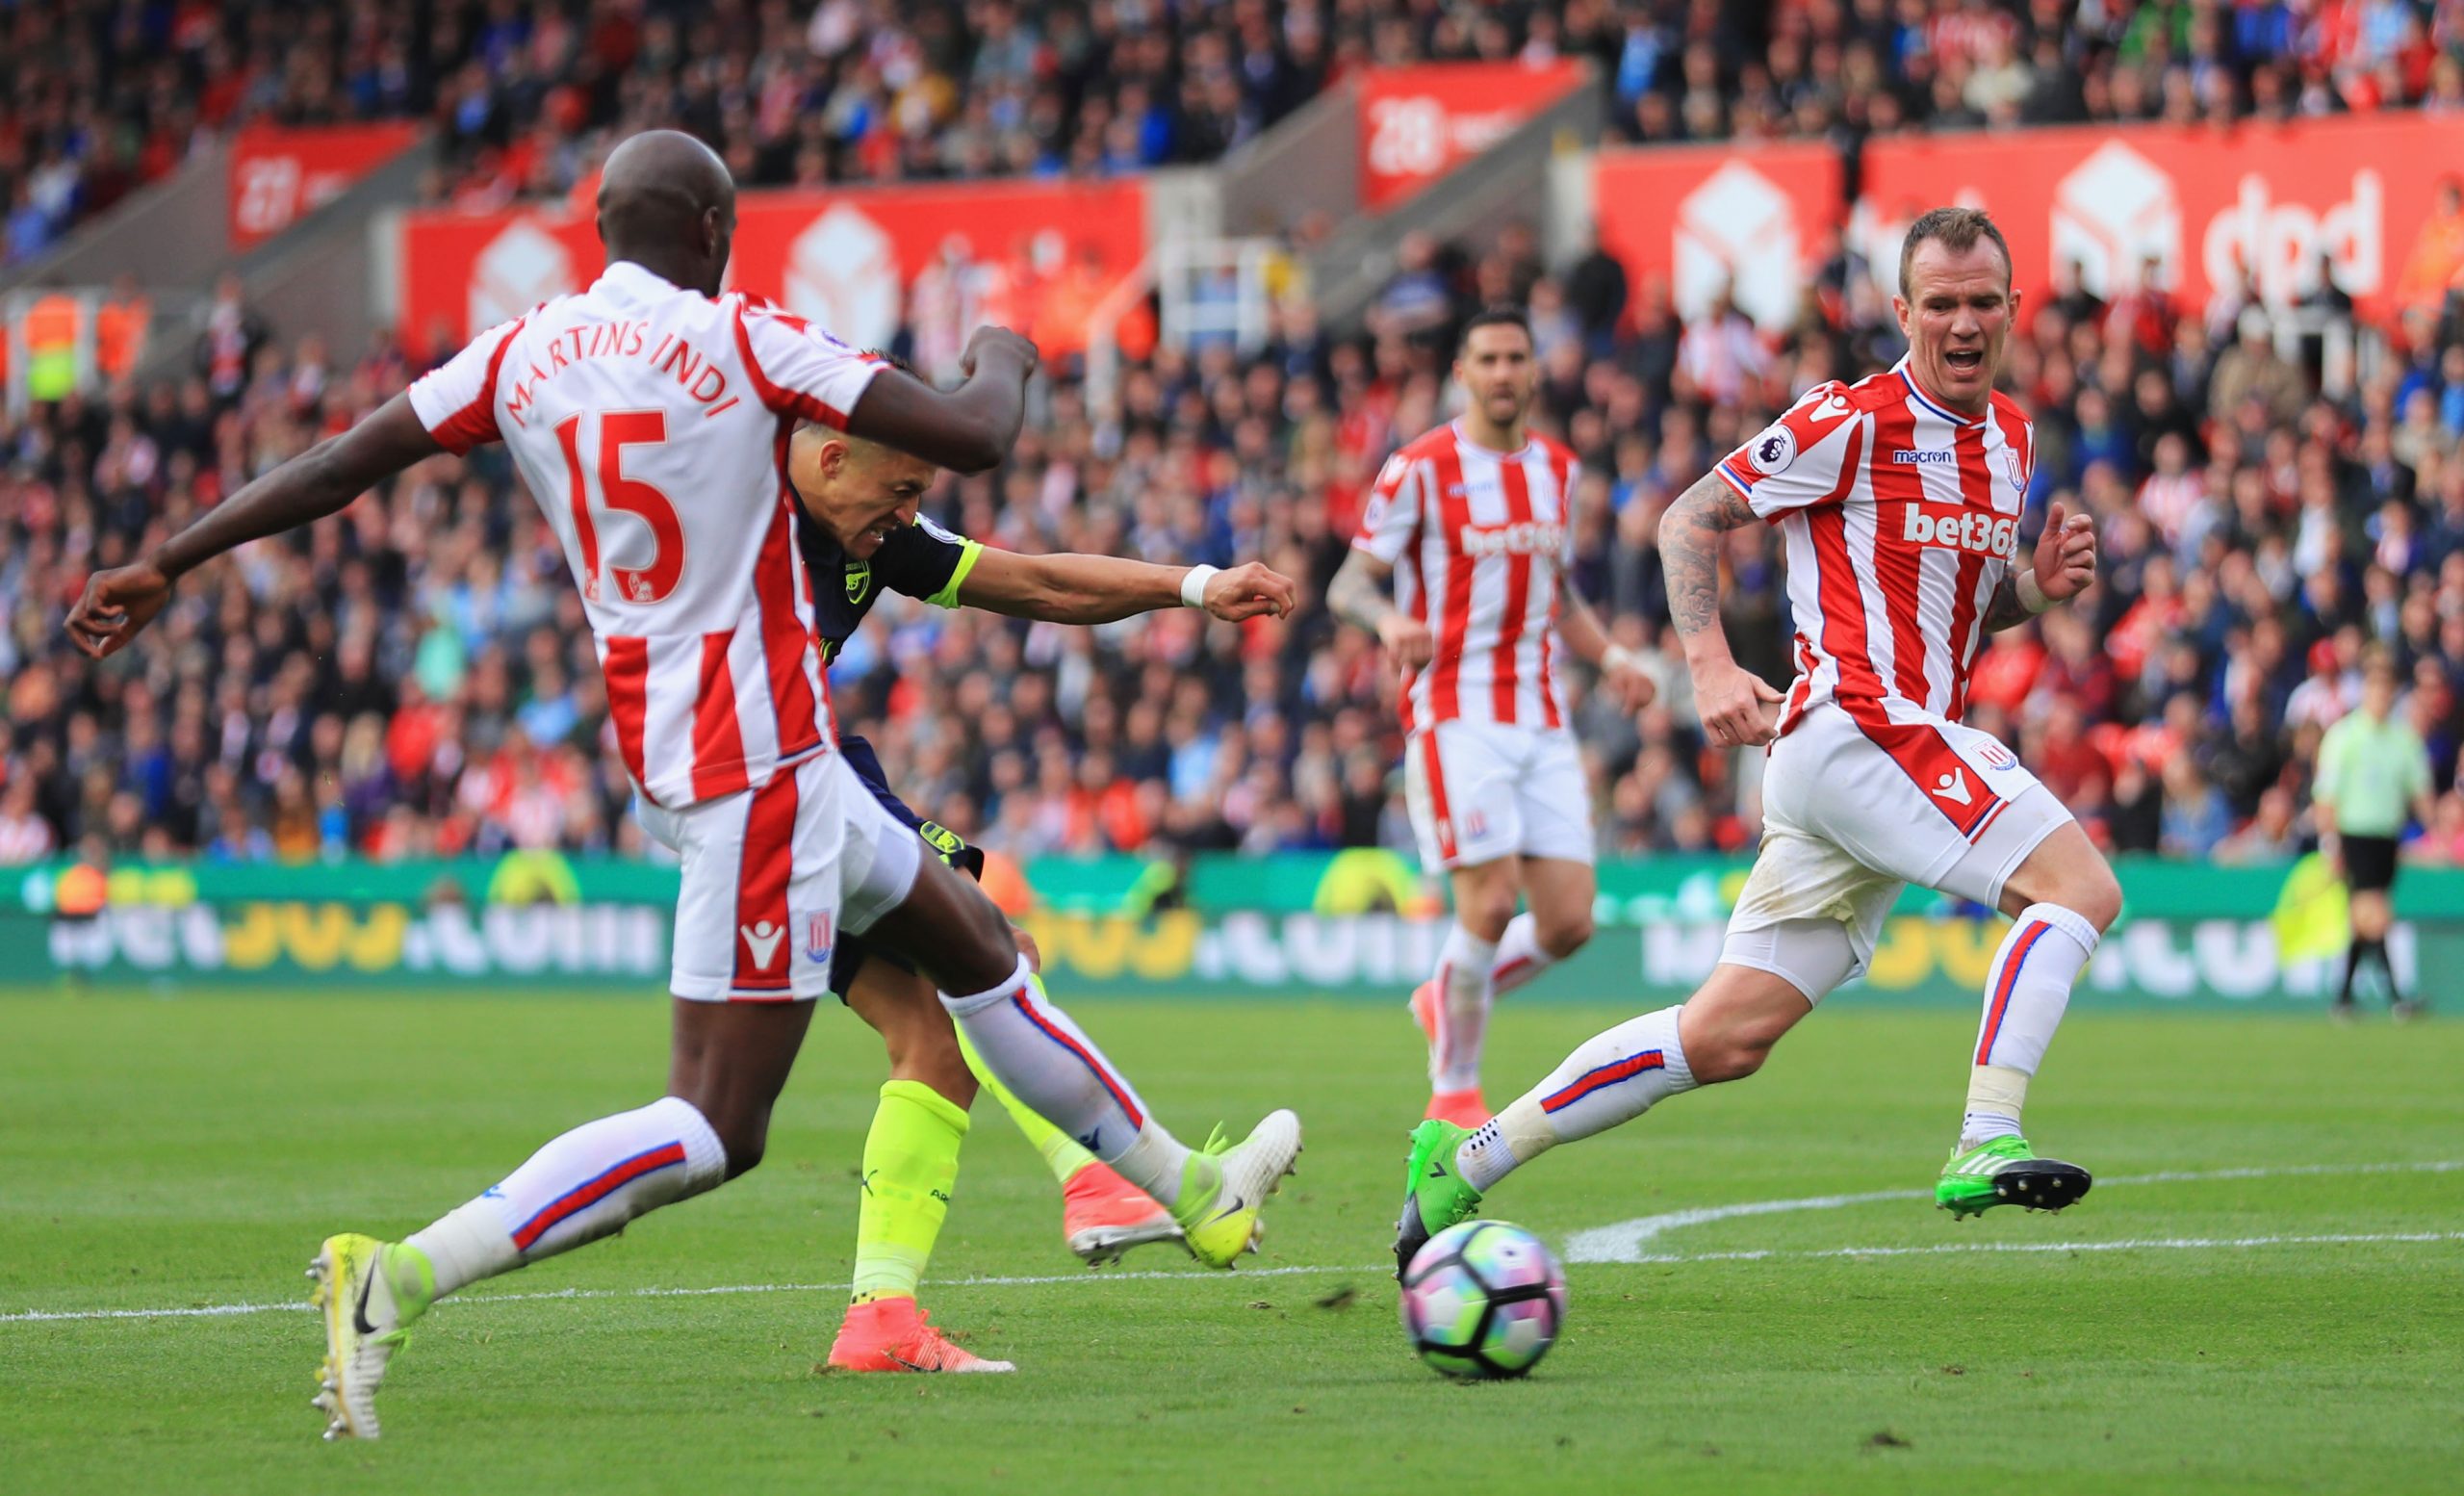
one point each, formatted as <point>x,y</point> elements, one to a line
<point>279,176</point>
<point>1419,123</point>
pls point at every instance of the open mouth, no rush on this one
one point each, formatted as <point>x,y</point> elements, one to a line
<point>1963,361</point>
<point>881,532</point>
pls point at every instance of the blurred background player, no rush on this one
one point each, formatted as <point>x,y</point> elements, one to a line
<point>1900,498</point>
<point>2373,774</point>
<point>647,384</point>
<point>865,537</point>
<point>1476,518</point>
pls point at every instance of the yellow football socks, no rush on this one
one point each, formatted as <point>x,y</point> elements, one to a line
<point>910,1165</point>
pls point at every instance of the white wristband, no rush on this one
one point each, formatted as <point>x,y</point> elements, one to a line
<point>1194,584</point>
<point>2032,595</point>
<point>1618,656</point>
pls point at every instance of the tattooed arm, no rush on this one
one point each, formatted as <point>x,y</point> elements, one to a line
<point>1362,594</point>
<point>2005,610</point>
<point>1735,704</point>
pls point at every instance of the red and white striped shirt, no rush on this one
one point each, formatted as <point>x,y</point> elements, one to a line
<point>1901,517</point>
<point>651,423</point>
<point>1480,541</point>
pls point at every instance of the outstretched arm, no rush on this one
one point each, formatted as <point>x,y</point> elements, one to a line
<point>1735,704</point>
<point>323,481</point>
<point>1362,594</point>
<point>1092,589</point>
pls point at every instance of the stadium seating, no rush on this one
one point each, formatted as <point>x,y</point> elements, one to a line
<point>97,99</point>
<point>415,677</point>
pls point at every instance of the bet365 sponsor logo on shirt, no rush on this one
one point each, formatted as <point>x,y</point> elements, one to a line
<point>1955,528</point>
<point>1528,537</point>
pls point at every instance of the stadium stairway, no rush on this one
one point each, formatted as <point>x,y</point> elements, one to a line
<point>1309,166</point>
<point>174,238</point>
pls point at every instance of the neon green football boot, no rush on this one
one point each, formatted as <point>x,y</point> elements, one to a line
<point>2006,1172</point>
<point>369,1291</point>
<point>1435,1196</point>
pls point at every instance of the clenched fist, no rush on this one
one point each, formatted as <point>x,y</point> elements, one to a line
<point>1247,591</point>
<point>1407,639</point>
<point>998,345</point>
<point>1738,708</point>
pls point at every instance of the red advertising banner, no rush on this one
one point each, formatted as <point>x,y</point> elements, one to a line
<point>1713,218</point>
<point>280,176</point>
<point>1034,256</point>
<point>2204,206</point>
<point>1418,123</point>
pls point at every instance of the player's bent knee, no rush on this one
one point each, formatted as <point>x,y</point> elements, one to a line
<point>2100,902</point>
<point>2066,869</point>
<point>1732,1052</point>
<point>743,1128</point>
<point>949,928</point>
<point>2088,889</point>
<point>745,1142</point>
<point>1724,1058</point>
<point>1486,915</point>
<point>1731,1026</point>
<point>991,947</point>
<point>1565,934</point>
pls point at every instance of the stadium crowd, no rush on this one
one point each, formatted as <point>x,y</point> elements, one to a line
<point>414,677</point>
<point>96,99</point>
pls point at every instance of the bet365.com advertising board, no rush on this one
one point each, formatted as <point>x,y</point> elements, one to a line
<point>1350,925</point>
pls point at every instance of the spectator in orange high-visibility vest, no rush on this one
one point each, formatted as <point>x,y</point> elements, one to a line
<point>50,329</point>
<point>2437,258</point>
<point>120,329</point>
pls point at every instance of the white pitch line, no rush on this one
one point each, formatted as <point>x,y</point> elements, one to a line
<point>1625,1241</point>
<point>1626,1237</point>
<point>2138,1244</point>
<point>1092,1276</point>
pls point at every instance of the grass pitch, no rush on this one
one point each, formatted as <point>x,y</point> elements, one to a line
<point>2297,1326</point>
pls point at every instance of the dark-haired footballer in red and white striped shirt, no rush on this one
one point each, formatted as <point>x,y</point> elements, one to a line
<point>1472,525</point>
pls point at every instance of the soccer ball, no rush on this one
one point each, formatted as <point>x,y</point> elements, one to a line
<point>1483,1300</point>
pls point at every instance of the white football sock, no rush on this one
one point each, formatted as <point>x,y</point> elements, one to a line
<point>468,1242</point>
<point>1486,1157</point>
<point>1051,1064</point>
<point>1995,1094</point>
<point>2026,989</point>
<point>1520,957</point>
<point>1610,1078</point>
<point>579,1188</point>
<point>1463,996</point>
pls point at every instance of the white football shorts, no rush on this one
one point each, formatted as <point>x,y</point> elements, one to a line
<point>772,875</point>
<point>1479,791</point>
<point>1856,807</point>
